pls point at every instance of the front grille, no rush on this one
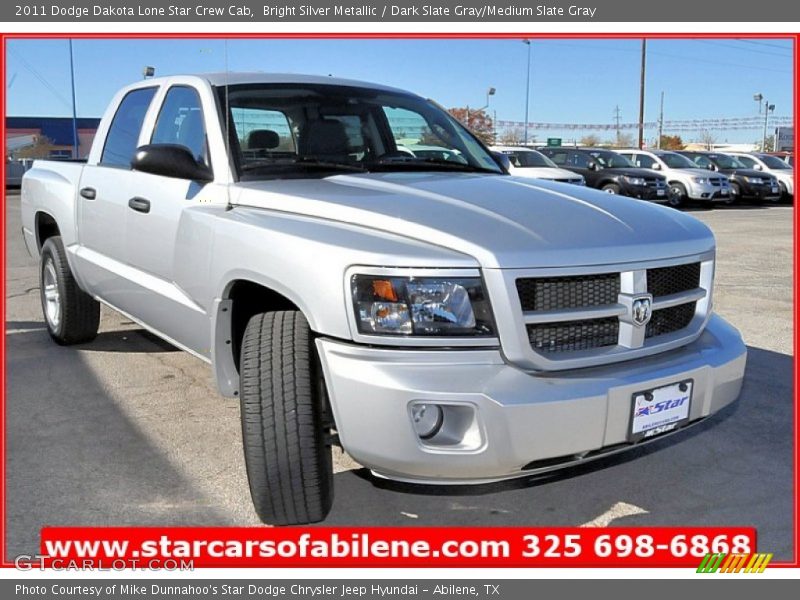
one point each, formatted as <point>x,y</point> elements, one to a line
<point>670,320</point>
<point>716,181</point>
<point>559,293</point>
<point>673,280</point>
<point>563,315</point>
<point>654,182</point>
<point>570,336</point>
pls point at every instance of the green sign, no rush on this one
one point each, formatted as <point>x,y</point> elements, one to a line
<point>553,141</point>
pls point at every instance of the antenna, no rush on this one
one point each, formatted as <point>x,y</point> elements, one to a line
<point>229,205</point>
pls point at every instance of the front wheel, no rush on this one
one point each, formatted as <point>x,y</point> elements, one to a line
<point>611,188</point>
<point>676,196</point>
<point>284,423</point>
<point>72,316</point>
<point>736,193</point>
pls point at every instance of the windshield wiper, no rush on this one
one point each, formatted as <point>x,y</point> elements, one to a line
<point>427,163</point>
<point>303,162</point>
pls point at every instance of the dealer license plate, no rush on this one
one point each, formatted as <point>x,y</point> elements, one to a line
<point>774,190</point>
<point>660,410</point>
<point>660,192</point>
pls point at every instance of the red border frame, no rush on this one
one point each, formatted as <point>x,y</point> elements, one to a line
<point>398,35</point>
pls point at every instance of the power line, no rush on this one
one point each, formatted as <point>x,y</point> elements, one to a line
<point>756,43</point>
<point>723,44</point>
<point>41,79</point>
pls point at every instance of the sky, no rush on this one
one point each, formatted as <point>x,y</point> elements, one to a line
<point>571,80</point>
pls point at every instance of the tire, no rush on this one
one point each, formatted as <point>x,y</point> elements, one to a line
<point>610,188</point>
<point>72,316</point>
<point>736,194</point>
<point>676,195</point>
<point>284,422</point>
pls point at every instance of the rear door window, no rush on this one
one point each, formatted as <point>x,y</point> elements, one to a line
<point>123,134</point>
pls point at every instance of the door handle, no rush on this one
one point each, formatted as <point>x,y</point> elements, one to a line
<point>89,193</point>
<point>139,204</point>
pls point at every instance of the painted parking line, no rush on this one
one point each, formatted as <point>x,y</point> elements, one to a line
<point>619,510</point>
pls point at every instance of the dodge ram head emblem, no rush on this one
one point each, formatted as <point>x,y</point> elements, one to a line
<point>640,311</point>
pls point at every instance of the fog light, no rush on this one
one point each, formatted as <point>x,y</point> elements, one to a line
<point>427,419</point>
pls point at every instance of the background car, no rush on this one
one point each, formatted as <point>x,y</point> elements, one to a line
<point>527,162</point>
<point>611,172</point>
<point>746,184</point>
<point>685,180</point>
<point>773,165</point>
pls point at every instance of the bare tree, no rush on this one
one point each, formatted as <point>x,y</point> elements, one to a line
<point>624,140</point>
<point>41,148</point>
<point>513,136</point>
<point>590,140</point>
<point>708,139</point>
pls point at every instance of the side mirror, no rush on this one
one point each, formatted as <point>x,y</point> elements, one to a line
<point>711,167</point>
<point>656,166</point>
<point>593,166</point>
<point>170,160</point>
<point>758,167</point>
<point>502,160</point>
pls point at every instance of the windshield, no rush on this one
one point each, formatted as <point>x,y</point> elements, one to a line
<point>529,158</point>
<point>308,130</point>
<point>676,161</point>
<point>611,160</point>
<point>773,162</point>
<point>723,161</point>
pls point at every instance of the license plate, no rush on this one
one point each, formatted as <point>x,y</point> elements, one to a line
<point>660,410</point>
<point>723,193</point>
<point>774,190</point>
<point>660,192</point>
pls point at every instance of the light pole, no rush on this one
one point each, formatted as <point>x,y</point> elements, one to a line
<point>527,42</point>
<point>75,141</point>
<point>768,108</point>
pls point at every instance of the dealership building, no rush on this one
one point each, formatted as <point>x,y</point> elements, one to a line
<point>24,132</point>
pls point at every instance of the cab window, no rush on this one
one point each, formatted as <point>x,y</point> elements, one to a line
<point>180,121</point>
<point>123,134</point>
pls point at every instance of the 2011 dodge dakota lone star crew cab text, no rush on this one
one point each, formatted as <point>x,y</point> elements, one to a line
<point>443,321</point>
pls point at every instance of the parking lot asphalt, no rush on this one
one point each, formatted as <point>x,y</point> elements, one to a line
<point>130,431</point>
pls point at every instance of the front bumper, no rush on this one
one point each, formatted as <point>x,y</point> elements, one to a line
<point>523,423</point>
<point>756,191</point>
<point>708,192</point>
<point>644,192</point>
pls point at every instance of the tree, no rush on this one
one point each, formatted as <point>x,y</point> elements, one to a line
<point>671,142</point>
<point>41,148</point>
<point>513,136</point>
<point>769,146</point>
<point>624,140</point>
<point>590,140</point>
<point>708,139</point>
<point>477,121</point>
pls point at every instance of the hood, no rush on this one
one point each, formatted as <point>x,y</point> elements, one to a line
<point>700,172</point>
<point>746,173</point>
<point>544,173</point>
<point>634,172</point>
<point>502,221</point>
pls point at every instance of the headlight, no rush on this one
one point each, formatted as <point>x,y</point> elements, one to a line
<point>425,306</point>
<point>757,180</point>
<point>581,181</point>
<point>635,180</point>
<point>702,180</point>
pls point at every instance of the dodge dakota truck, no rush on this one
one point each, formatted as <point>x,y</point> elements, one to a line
<point>443,321</point>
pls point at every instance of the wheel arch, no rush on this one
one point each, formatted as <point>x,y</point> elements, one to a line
<point>243,297</point>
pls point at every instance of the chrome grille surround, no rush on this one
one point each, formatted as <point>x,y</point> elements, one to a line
<point>633,341</point>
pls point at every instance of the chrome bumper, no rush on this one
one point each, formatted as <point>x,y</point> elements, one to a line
<point>519,417</point>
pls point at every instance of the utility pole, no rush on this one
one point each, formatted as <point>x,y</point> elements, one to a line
<point>660,123</point>
<point>616,120</point>
<point>74,109</point>
<point>641,95</point>
<point>527,90</point>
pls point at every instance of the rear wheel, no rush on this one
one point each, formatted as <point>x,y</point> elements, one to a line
<point>676,196</point>
<point>285,420</point>
<point>72,316</point>
<point>611,188</point>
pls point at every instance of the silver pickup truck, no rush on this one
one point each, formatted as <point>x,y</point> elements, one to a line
<point>441,320</point>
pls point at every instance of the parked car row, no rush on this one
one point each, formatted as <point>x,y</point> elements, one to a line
<point>663,176</point>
